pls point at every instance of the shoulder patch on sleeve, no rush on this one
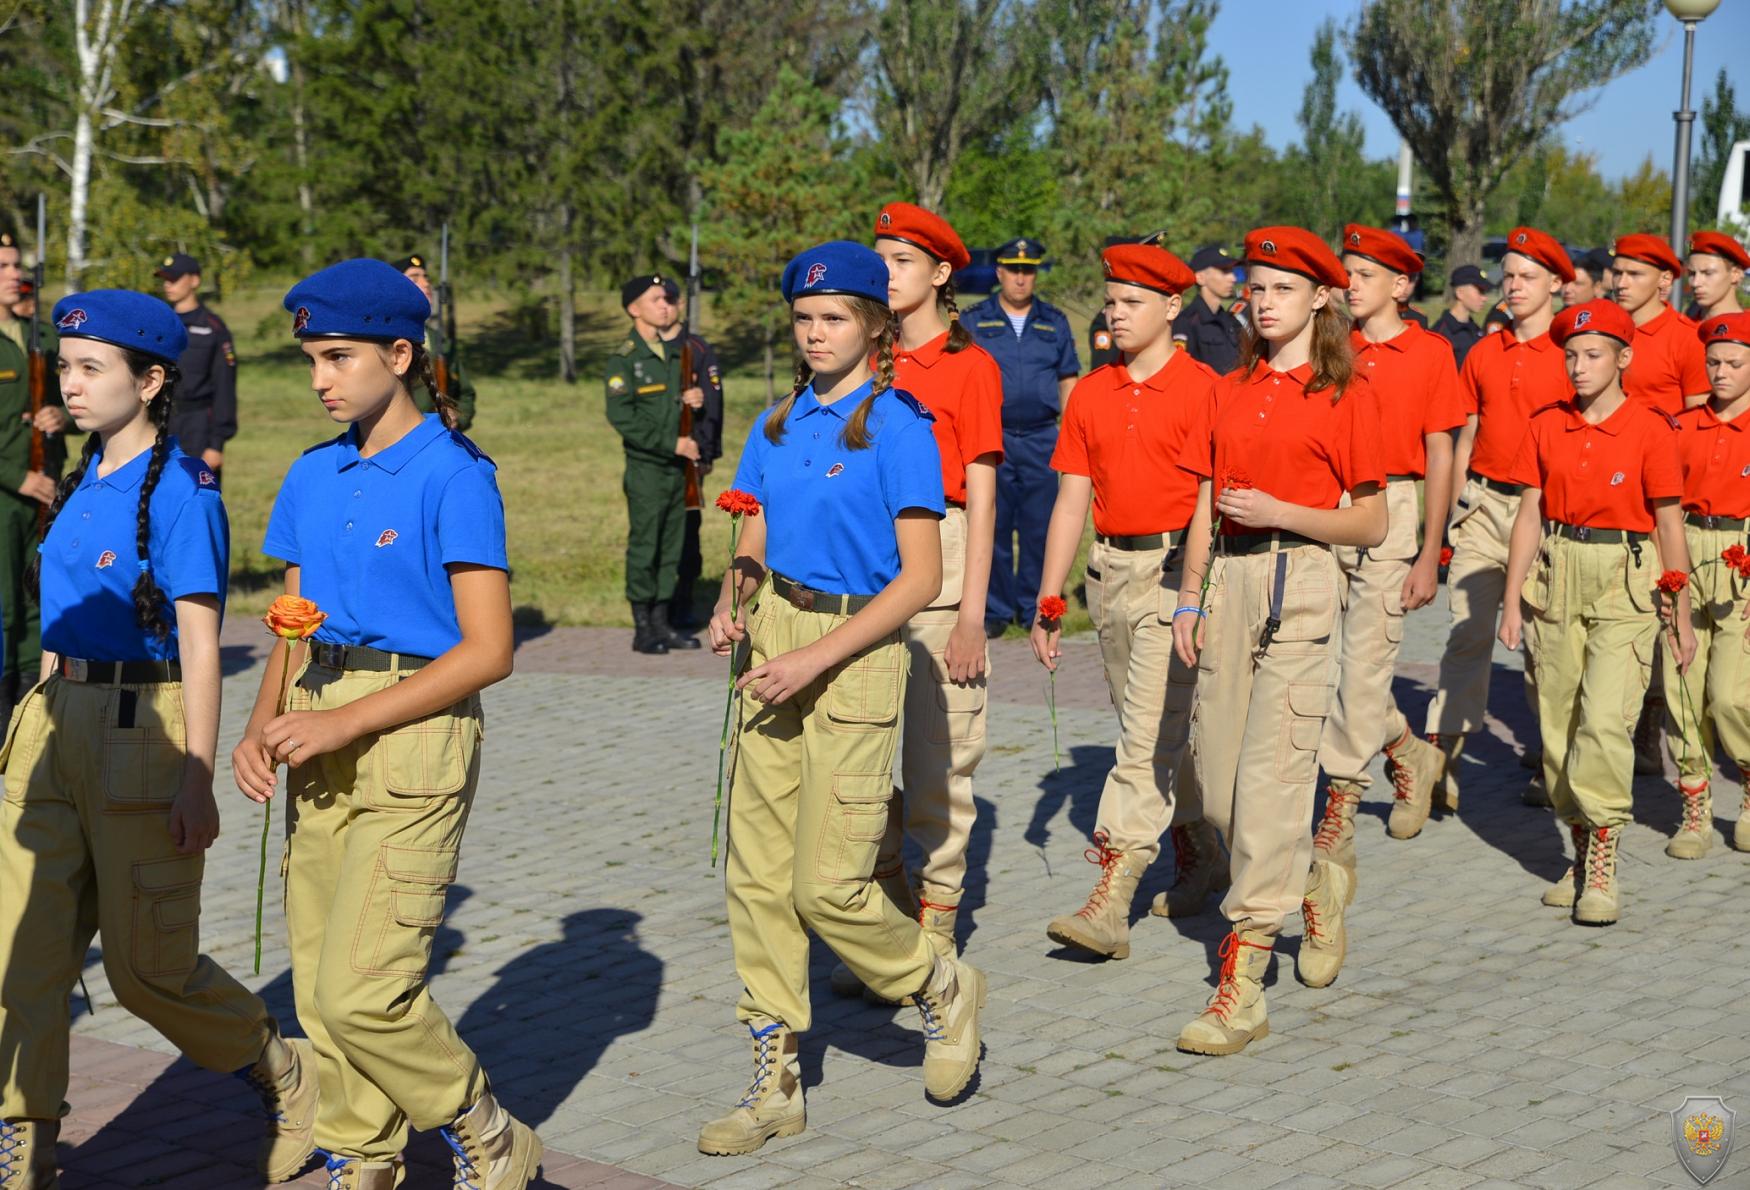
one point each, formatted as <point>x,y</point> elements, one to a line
<point>915,405</point>
<point>199,474</point>
<point>617,385</point>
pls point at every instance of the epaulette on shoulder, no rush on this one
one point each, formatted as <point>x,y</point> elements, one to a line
<point>198,474</point>
<point>626,347</point>
<point>912,403</point>
<point>1670,418</point>
<point>471,447</point>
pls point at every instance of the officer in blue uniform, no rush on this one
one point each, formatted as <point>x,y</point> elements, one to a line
<point>1036,349</point>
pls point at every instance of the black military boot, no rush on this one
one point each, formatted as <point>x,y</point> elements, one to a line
<point>644,637</point>
<point>659,628</point>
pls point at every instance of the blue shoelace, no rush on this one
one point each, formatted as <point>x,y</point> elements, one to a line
<point>11,1145</point>
<point>762,1062</point>
<point>465,1171</point>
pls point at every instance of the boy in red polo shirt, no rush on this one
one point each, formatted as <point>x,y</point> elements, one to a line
<point>1714,443</point>
<point>1506,378</point>
<point>1598,521</point>
<point>1118,450</point>
<point>1717,264</point>
<point>1412,372</point>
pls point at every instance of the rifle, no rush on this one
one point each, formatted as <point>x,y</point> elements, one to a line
<point>39,362</point>
<point>446,318</point>
<point>694,500</point>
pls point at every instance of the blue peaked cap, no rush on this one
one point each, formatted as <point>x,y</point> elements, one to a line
<point>124,318</point>
<point>358,299</point>
<point>838,266</point>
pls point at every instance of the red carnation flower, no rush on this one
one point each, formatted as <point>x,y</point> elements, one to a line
<point>1673,581</point>
<point>1446,555</point>
<point>1236,479</point>
<point>1052,609</point>
<point>739,503</point>
<point>1738,559</point>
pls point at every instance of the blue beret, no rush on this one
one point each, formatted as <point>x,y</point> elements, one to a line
<point>1022,251</point>
<point>358,299</point>
<point>839,266</point>
<point>134,320</point>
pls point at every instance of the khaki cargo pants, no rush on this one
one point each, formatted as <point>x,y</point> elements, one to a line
<point>808,808</point>
<point>1260,714</point>
<point>91,771</point>
<point>1718,681</point>
<point>1475,584</point>
<point>1594,627</point>
<point>943,739</point>
<point>1365,716</point>
<point>1151,785</point>
<point>373,832</point>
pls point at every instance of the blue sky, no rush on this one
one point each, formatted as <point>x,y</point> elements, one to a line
<point>1264,43</point>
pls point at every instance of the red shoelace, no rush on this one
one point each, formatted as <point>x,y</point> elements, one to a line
<point>1107,858</point>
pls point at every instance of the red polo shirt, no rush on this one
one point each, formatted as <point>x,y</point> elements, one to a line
<point>1126,436</point>
<point>1295,445</point>
<point>1716,462</point>
<point>1669,362</point>
<point>1417,384</point>
<point>964,390</point>
<point>1505,380</point>
<point>1605,476</point>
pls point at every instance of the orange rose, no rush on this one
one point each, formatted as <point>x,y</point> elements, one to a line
<point>293,618</point>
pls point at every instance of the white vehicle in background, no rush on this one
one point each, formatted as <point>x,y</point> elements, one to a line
<point>1735,191</point>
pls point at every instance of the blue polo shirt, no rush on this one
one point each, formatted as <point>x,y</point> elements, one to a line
<point>371,537</point>
<point>829,510</point>
<point>90,562</point>
<point>1033,361</point>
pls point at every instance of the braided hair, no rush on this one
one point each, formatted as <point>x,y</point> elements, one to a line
<point>151,609</point>
<point>958,337</point>
<point>874,317</point>
<point>440,400</point>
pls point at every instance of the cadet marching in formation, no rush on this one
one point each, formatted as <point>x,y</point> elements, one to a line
<point>1274,484</point>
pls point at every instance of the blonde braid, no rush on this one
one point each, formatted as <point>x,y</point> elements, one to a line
<point>959,338</point>
<point>781,411</point>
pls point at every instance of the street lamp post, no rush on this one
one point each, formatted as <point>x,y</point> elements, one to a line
<point>1691,13</point>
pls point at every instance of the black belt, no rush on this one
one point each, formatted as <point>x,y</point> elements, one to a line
<point>809,600</point>
<point>1595,536</point>
<point>362,657</point>
<point>1402,478</point>
<point>1138,541</point>
<point>1506,489</point>
<point>1258,543</point>
<point>119,673</point>
<point>1736,524</point>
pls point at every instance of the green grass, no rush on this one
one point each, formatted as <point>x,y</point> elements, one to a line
<point>559,462</point>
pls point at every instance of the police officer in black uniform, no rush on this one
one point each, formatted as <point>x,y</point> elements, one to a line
<point>1208,328</point>
<point>1458,324</point>
<point>204,415</point>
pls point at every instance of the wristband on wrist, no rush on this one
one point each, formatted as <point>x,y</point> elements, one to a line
<point>1179,611</point>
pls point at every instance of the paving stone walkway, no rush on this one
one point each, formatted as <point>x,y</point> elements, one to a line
<point>1473,1039</point>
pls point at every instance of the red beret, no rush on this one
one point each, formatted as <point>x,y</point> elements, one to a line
<point>1597,317</point>
<point>1149,266</point>
<point>926,229</point>
<point>1297,250</point>
<point>1715,243</point>
<point>1651,249</point>
<point>1542,248</point>
<point>1386,247</point>
<point>1725,328</point>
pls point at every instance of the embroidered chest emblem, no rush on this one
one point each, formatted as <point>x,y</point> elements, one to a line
<point>386,537</point>
<point>106,559</point>
<point>835,469</point>
<point>1745,473</point>
<point>1616,480</point>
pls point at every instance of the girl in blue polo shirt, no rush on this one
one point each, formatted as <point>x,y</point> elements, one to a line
<point>108,807</point>
<point>395,529</point>
<point>846,549</point>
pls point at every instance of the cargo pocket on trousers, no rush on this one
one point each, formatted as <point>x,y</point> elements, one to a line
<point>144,750</point>
<point>22,749</point>
<point>1297,755</point>
<point>961,707</point>
<point>863,692</point>
<point>856,820</point>
<point>167,910</point>
<point>426,758</point>
<point>1640,675</point>
<point>1309,599</point>
<point>402,910</point>
<point>1393,605</point>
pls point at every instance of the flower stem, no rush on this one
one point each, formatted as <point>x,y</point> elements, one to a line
<point>729,700</point>
<point>267,816</point>
<point>1056,760</point>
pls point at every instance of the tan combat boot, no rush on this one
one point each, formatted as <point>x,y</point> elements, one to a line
<point>1199,869</point>
<point>1234,1016</point>
<point>1647,734</point>
<point>27,1154</point>
<point>492,1149</point>
<point>1564,892</point>
<point>353,1173</point>
<point>949,1003</point>
<point>1695,834</point>
<point>897,885</point>
<point>1415,767</point>
<point>938,922</point>
<point>772,1105</point>
<point>285,1078</point>
<point>1326,939</point>
<point>1102,926</point>
<point>1598,903</point>
<point>1741,831</point>
<point>1334,840</point>
<point>1446,787</point>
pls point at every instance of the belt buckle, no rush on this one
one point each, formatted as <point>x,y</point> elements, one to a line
<point>1582,532</point>
<point>76,669</point>
<point>801,598</point>
<point>330,656</point>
